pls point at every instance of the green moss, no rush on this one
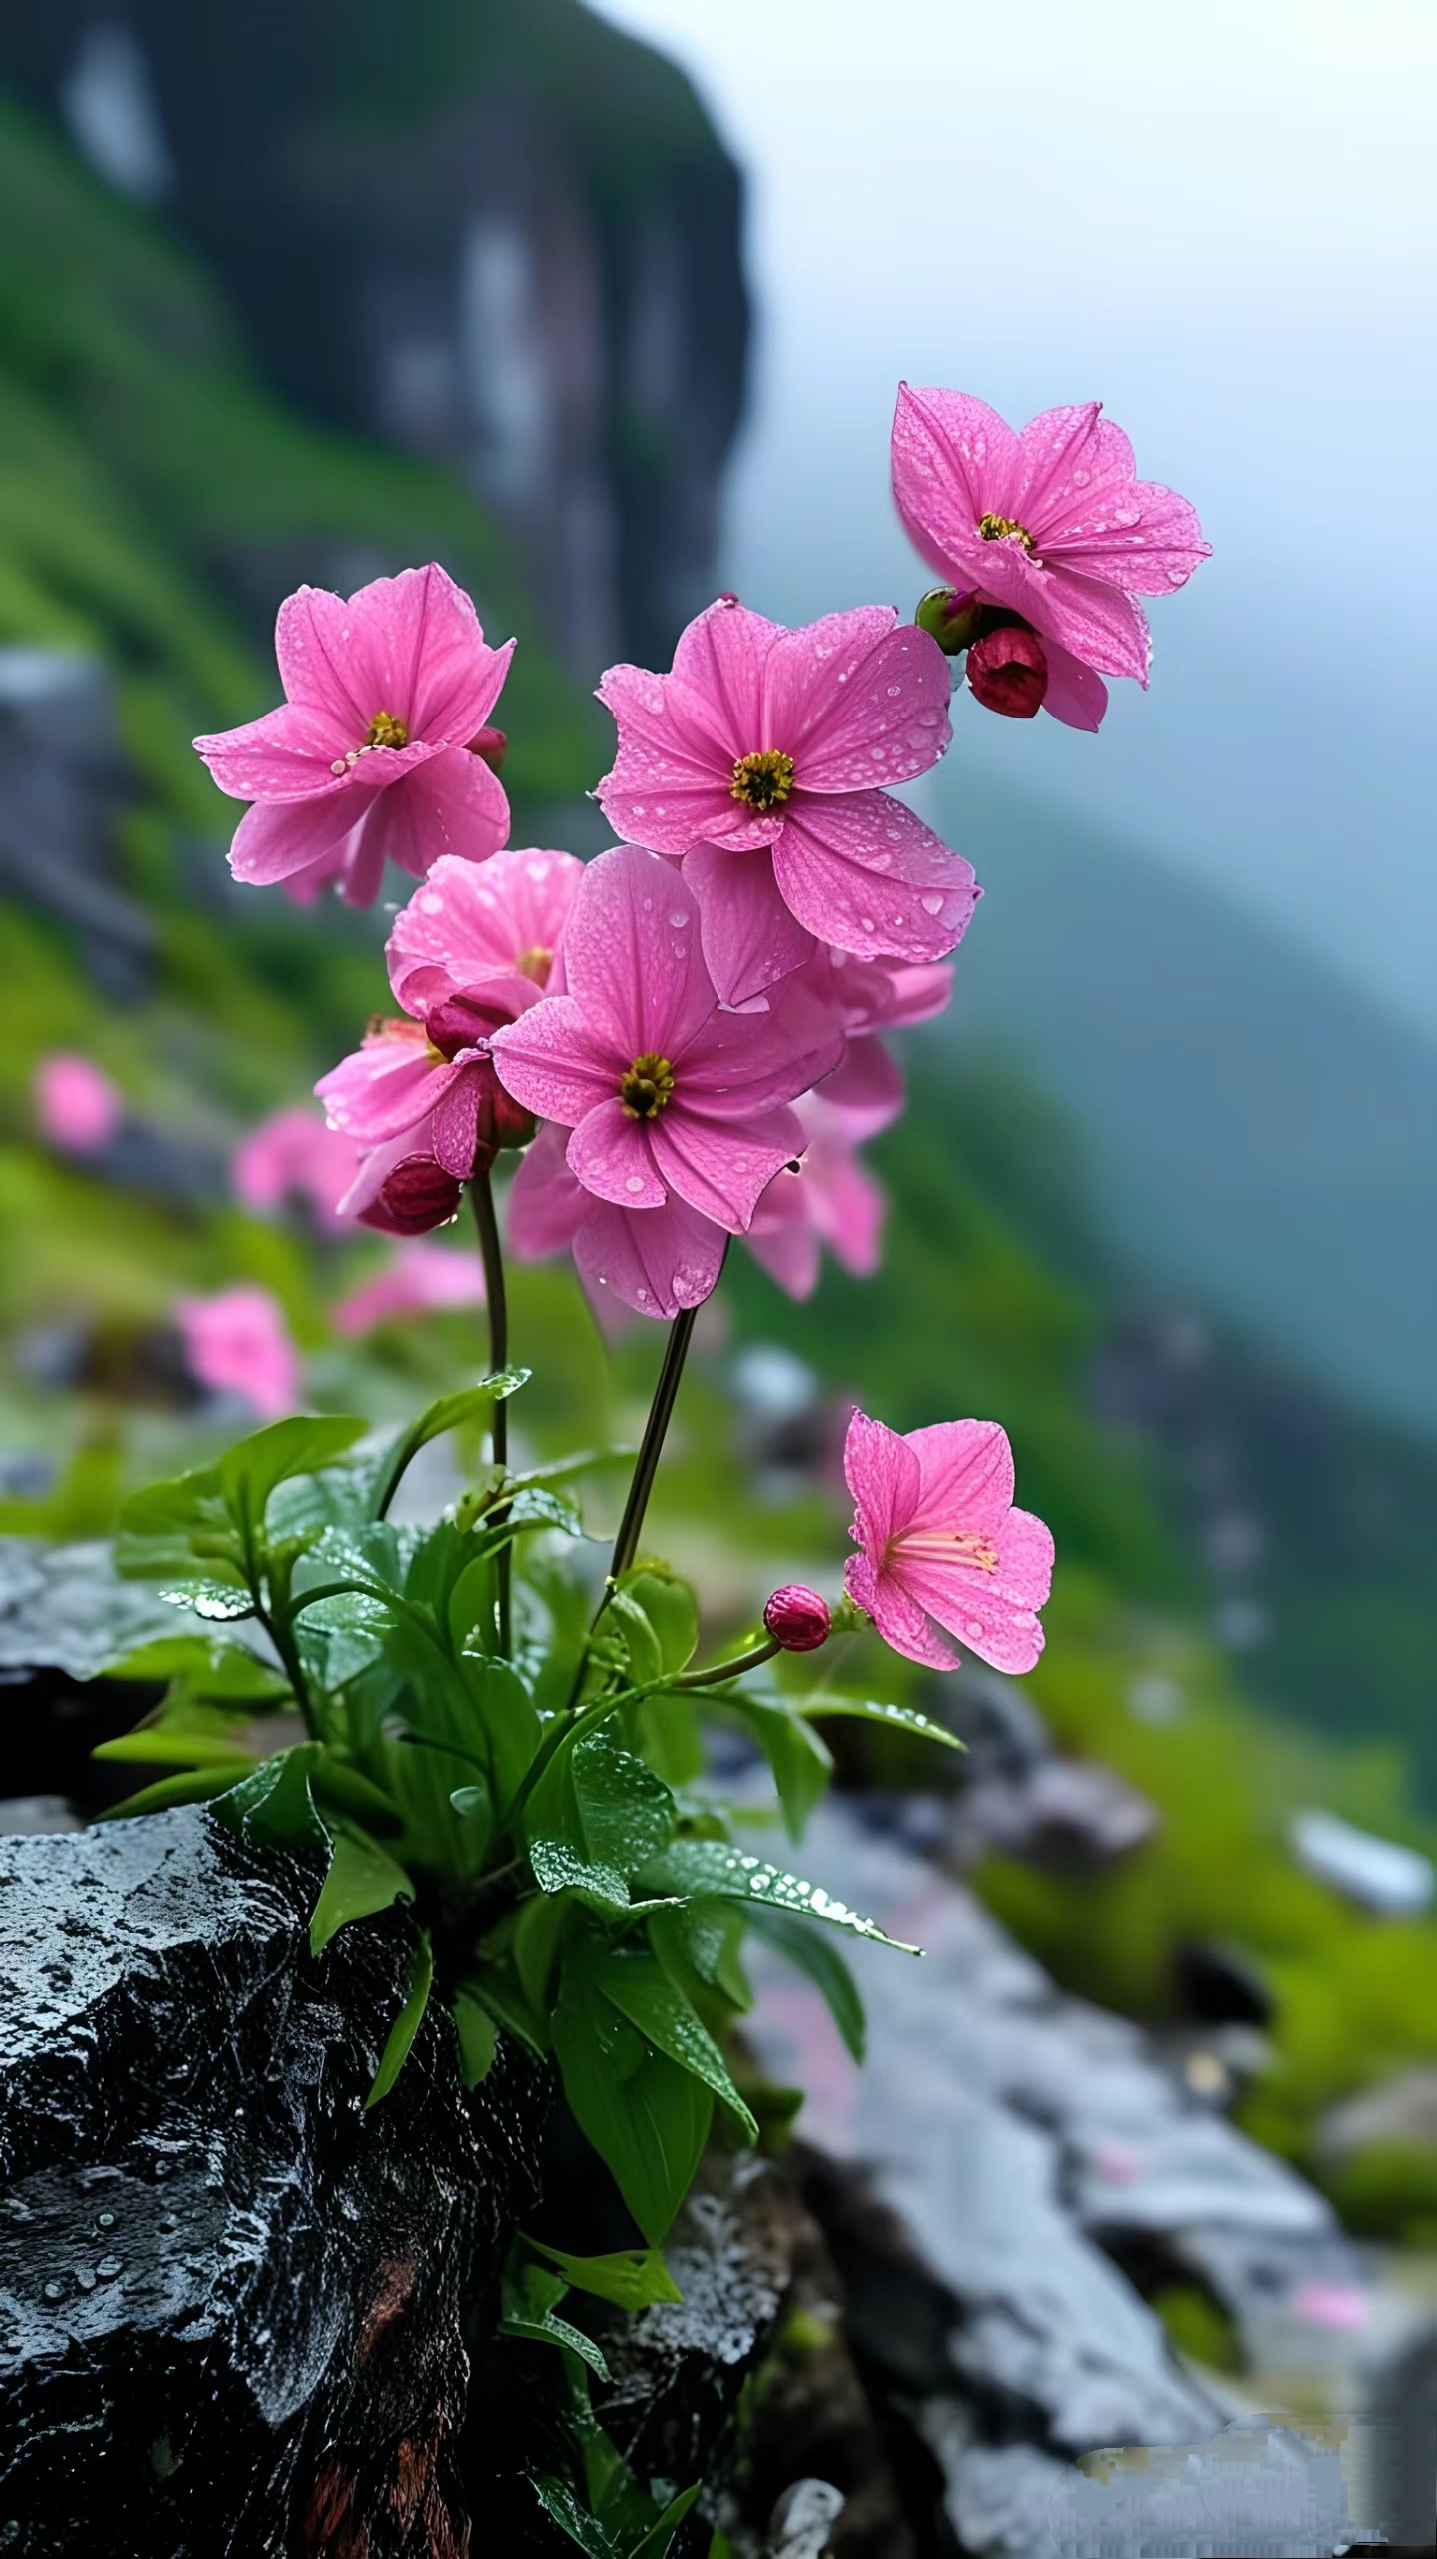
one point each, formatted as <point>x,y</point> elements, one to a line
<point>1199,2327</point>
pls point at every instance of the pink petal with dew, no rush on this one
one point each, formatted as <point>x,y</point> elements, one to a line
<point>547,1204</point>
<point>296,840</point>
<point>720,667</point>
<point>1106,629</point>
<point>864,1094</point>
<point>883,1476</point>
<point>899,1620</point>
<point>613,1156</point>
<point>878,994</point>
<point>449,802</point>
<point>557,1063</point>
<point>968,1605</point>
<point>383,1089</point>
<point>78,1107</point>
<point>470,922</point>
<point>658,1261</point>
<point>633,956</point>
<point>670,783</point>
<point>745,1062</point>
<point>750,939</point>
<point>410,645</point>
<point>1075,695</point>
<point>954,461</point>
<point>1085,509</point>
<point>238,1343</point>
<point>864,872</point>
<point>965,1476</point>
<point>289,754</point>
<point>420,1277</point>
<point>722,1167</point>
<point>455,1131</point>
<point>857,699</point>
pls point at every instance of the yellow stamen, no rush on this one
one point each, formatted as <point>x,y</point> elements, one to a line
<point>1000,528</point>
<point>646,1088</point>
<point>762,780</point>
<point>535,964</point>
<point>385,730</point>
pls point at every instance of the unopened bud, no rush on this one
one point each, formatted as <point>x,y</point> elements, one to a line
<point>1008,672</point>
<point>797,1619</point>
<point>953,620</point>
<point>415,1198</point>
<point>491,746</point>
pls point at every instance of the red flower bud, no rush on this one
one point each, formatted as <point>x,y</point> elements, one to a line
<point>797,1619</point>
<point>416,1197</point>
<point>491,746</point>
<point>1008,671</point>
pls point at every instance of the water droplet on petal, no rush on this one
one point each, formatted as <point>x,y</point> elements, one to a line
<point>932,902</point>
<point>680,919</point>
<point>866,924</point>
<point>635,1184</point>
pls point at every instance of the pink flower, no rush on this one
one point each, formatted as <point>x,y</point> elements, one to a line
<point>77,1107</point>
<point>489,934</point>
<point>368,757</point>
<point>420,1276</point>
<point>1051,524</point>
<point>664,1094</point>
<point>294,1156</point>
<point>656,1260</point>
<point>831,1199</point>
<point>943,1547</point>
<point>238,1343</point>
<point>756,762</point>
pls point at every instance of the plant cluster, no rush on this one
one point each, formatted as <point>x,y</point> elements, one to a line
<point>682,1040</point>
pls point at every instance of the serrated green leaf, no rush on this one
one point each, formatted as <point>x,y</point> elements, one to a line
<point>695,1866</point>
<point>478,2038</point>
<point>899,1719</point>
<point>647,2117</point>
<point>201,1787</point>
<point>631,2278</point>
<point>810,1952</point>
<point>407,2024</point>
<point>642,1991</point>
<point>471,1403</point>
<point>249,1472</point>
<point>362,1880</point>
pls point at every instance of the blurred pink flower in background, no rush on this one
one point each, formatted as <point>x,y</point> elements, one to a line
<point>943,1546</point>
<point>420,1277</point>
<point>1050,523</point>
<point>832,1199</point>
<point>296,1156</point>
<point>657,1261</point>
<point>663,1093</point>
<point>369,756</point>
<point>757,762</point>
<point>238,1343</point>
<point>77,1107</point>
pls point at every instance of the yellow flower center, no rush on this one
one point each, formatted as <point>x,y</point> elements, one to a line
<point>647,1086</point>
<point>1000,528</point>
<point>762,780</point>
<point>953,1546</point>
<point>535,964</point>
<point>385,730</point>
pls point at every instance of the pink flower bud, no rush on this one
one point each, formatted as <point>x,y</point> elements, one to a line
<point>417,1196</point>
<point>797,1619</point>
<point>1008,672</point>
<point>491,746</point>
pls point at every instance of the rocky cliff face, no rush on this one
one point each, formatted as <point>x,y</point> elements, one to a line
<point>502,237</point>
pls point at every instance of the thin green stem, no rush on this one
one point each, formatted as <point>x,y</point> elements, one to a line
<point>481,1192</point>
<point>651,1449</point>
<point>726,1670</point>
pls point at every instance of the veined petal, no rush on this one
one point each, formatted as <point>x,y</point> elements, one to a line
<point>410,645</point>
<point>556,1062</point>
<point>612,1155</point>
<point>975,1608</point>
<point>289,754</point>
<point>386,1087</point>
<point>965,1476</point>
<point>1075,695</point>
<point>857,699</point>
<point>658,1261</point>
<point>721,1167</point>
<point>740,1063</point>
<point>278,839</point>
<point>1106,629</point>
<point>750,939</point>
<point>864,872</point>
<point>547,1204</point>
<point>633,954</point>
<point>449,802</point>
<point>719,663</point>
<point>471,922</point>
<point>865,1093</point>
<point>883,1476</point>
<point>1133,534</point>
<point>899,1619</point>
<point>954,461</point>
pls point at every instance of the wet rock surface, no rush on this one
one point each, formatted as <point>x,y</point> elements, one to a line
<point>229,2297</point>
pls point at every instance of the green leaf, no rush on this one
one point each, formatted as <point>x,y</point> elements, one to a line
<point>249,1472</point>
<point>672,1611</point>
<point>334,1781</point>
<point>560,1869</point>
<point>478,2038</point>
<point>406,2024</point>
<point>563,2508</point>
<point>362,1879</point>
<point>656,2541</point>
<point>472,1403</point>
<point>172,1746</point>
<point>221,1602</point>
<point>500,1992</point>
<point>626,1813</point>
<point>208,1668</point>
<point>632,2278</point>
<point>899,1719</point>
<point>198,1788</point>
<point>810,1952</point>
<point>800,1760</point>
<point>647,2117</point>
<point>510,1722</point>
<point>174,1506</point>
<point>530,2301</point>
<point>273,1805</point>
<point>533,1509</point>
<point>646,1661</point>
<point>642,1991</point>
<point>695,1866</point>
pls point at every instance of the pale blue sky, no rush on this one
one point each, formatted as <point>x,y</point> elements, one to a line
<point>1220,219</point>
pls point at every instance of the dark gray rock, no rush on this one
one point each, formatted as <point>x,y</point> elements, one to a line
<point>229,2296</point>
<point>63,783</point>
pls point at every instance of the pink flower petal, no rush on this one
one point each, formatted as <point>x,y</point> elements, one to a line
<point>720,664</point>
<point>658,1261</point>
<point>547,1205</point>
<point>965,1475</point>
<point>78,1107</point>
<point>954,461</point>
<point>750,940</point>
<point>449,802</point>
<point>722,1167</point>
<point>863,871</point>
<point>612,1154</point>
<point>899,1620</point>
<point>632,953</point>
<point>282,840</point>
<point>471,922</point>
<point>857,699</point>
<point>557,1063</point>
<point>744,1062</point>
<point>866,1091</point>
<point>293,1154</point>
<point>420,1277</point>
<point>670,783</point>
<point>1000,1631</point>
<point>783,1238</point>
<point>410,645</point>
<point>883,1476</point>
<point>238,1343</point>
<point>386,1087</point>
<point>1075,695</point>
<point>289,754</point>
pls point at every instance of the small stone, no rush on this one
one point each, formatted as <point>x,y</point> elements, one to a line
<point>107,2269</point>
<point>84,2278</point>
<point>54,2292</point>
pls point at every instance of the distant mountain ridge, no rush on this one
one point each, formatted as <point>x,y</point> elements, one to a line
<point>1261,1136</point>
